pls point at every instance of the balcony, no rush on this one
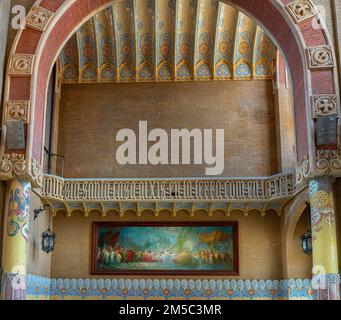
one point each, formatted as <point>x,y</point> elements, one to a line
<point>191,195</point>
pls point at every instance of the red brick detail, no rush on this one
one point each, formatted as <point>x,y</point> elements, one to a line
<point>28,41</point>
<point>312,37</point>
<point>52,5</point>
<point>281,70</point>
<point>322,82</point>
<point>20,88</point>
<point>61,31</point>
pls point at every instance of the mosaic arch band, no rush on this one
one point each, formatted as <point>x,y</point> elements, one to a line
<point>311,60</point>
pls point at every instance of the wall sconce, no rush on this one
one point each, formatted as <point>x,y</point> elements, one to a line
<point>37,212</point>
<point>306,243</point>
<point>48,238</point>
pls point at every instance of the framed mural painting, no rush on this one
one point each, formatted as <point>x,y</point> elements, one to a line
<point>195,248</point>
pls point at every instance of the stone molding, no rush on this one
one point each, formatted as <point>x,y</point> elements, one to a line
<point>301,10</point>
<point>324,105</point>
<point>320,57</point>
<point>17,110</point>
<point>21,64</point>
<point>327,163</point>
<point>38,18</point>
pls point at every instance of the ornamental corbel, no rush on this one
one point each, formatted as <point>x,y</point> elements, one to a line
<point>16,166</point>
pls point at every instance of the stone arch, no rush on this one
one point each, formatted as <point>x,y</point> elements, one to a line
<point>49,24</point>
<point>292,214</point>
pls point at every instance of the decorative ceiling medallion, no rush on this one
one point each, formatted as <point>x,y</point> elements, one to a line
<point>38,18</point>
<point>21,64</point>
<point>301,10</point>
<point>320,57</point>
<point>324,105</point>
<point>17,110</point>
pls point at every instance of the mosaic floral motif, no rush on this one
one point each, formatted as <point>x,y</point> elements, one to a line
<point>127,72</point>
<point>89,73</point>
<point>39,288</point>
<point>243,70</point>
<point>69,73</point>
<point>322,205</point>
<point>204,71</point>
<point>19,206</point>
<point>185,46</point>
<point>108,72</point>
<point>223,71</point>
<point>184,71</point>
<point>103,289</point>
<point>146,72</point>
<point>263,69</point>
<point>165,71</point>
<point>323,202</point>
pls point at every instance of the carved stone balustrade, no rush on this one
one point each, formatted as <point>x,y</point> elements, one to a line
<point>170,195</point>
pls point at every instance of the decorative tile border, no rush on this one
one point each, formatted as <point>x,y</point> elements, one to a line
<point>40,288</point>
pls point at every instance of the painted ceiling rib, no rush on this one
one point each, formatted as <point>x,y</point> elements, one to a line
<point>98,51</point>
<point>117,45</point>
<point>196,40</point>
<point>175,38</point>
<point>235,47</point>
<point>156,38</point>
<point>79,56</point>
<point>254,52</point>
<point>215,46</point>
<point>136,42</point>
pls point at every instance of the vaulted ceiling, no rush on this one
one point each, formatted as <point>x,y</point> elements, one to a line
<point>167,40</point>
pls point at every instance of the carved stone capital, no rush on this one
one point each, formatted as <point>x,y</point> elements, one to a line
<point>320,57</point>
<point>17,110</point>
<point>301,10</point>
<point>16,166</point>
<point>324,105</point>
<point>21,64</point>
<point>326,163</point>
<point>38,18</point>
<point>12,165</point>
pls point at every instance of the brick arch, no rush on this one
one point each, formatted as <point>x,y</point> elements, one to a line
<point>42,43</point>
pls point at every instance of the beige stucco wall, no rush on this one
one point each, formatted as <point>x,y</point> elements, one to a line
<point>300,265</point>
<point>91,116</point>
<point>259,243</point>
<point>39,263</point>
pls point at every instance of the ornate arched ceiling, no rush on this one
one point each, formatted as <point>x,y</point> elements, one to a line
<point>165,40</point>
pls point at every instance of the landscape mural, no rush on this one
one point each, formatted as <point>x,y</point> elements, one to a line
<point>179,249</point>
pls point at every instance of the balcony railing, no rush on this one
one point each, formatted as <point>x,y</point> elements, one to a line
<point>172,189</point>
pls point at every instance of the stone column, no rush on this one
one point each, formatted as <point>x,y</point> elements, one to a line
<point>16,240</point>
<point>326,278</point>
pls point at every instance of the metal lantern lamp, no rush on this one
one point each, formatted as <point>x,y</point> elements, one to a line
<point>48,241</point>
<point>306,243</point>
<point>48,238</point>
